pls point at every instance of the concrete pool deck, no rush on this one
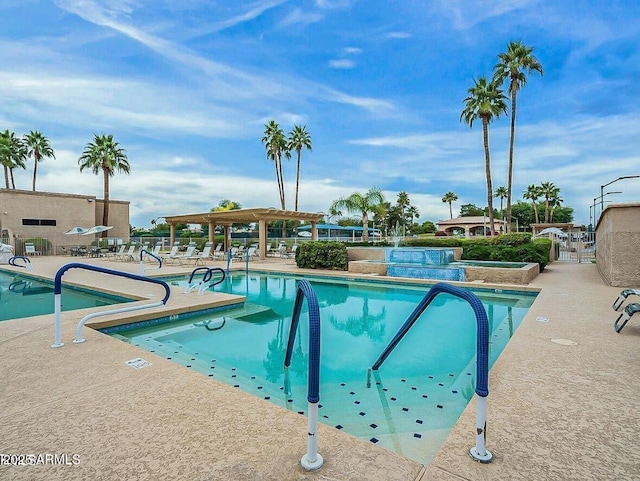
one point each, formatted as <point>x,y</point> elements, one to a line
<point>557,410</point>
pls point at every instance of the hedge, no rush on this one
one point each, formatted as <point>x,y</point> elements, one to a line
<point>322,255</point>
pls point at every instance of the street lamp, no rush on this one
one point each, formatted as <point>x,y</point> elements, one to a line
<point>601,197</point>
<point>609,183</point>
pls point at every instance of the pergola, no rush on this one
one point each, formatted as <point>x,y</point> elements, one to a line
<point>470,225</point>
<point>229,217</point>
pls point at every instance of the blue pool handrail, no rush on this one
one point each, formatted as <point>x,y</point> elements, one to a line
<point>27,262</point>
<point>205,282</point>
<point>312,459</point>
<point>57,295</point>
<point>479,452</point>
<point>150,254</point>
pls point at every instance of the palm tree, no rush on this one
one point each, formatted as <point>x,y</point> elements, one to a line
<point>37,147</point>
<point>514,64</point>
<point>298,139</point>
<point>413,213</point>
<point>362,204</point>
<point>275,142</point>
<point>502,193</point>
<point>106,155</point>
<point>554,202</point>
<point>485,101</point>
<point>403,201</point>
<point>13,153</point>
<point>533,193</point>
<point>550,191</point>
<point>450,198</point>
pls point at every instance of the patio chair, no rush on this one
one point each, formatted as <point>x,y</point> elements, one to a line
<point>292,253</point>
<point>30,250</point>
<point>218,253</point>
<point>617,304</point>
<point>625,315</point>
<point>172,253</point>
<point>202,256</point>
<point>128,255</point>
<point>189,253</point>
<point>114,255</point>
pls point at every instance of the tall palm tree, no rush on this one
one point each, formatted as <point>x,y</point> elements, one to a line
<point>533,194</point>
<point>13,153</point>
<point>413,213</point>
<point>38,146</point>
<point>502,193</point>
<point>485,101</point>
<point>403,202</point>
<point>298,139</point>
<point>554,202</point>
<point>362,204</point>
<point>104,154</point>
<point>450,198</point>
<point>275,143</point>
<point>549,190</point>
<point>515,64</point>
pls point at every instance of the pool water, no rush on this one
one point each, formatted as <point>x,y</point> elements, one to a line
<point>408,406</point>
<point>25,296</point>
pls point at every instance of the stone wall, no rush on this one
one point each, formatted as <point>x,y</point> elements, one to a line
<point>618,245</point>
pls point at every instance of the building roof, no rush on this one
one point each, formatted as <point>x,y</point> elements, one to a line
<point>474,219</point>
<point>244,215</point>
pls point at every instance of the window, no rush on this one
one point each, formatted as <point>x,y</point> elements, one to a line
<point>48,222</point>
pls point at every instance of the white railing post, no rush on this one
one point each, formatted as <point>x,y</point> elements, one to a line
<point>57,341</point>
<point>312,460</point>
<point>480,452</point>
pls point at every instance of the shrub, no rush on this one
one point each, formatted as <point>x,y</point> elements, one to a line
<point>513,239</point>
<point>322,255</point>
<point>435,242</point>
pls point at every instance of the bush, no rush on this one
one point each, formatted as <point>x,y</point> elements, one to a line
<point>513,239</point>
<point>435,242</point>
<point>322,255</point>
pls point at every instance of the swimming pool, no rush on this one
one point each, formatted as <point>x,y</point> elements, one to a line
<point>408,406</point>
<point>25,296</point>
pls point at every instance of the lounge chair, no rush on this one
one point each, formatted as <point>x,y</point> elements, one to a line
<point>202,256</point>
<point>112,255</point>
<point>218,253</point>
<point>30,250</point>
<point>625,315</point>
<point>292,253</point>
<point>128,255</point>
<point>172,253</point>
<point>190,252</point>
<point>617,304</point>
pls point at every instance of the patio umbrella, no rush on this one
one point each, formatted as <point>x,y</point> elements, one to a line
<point>76,230</point>
<point>97,229</point>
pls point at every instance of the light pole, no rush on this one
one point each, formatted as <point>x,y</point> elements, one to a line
<point>601,197</point>
<point>609,183</point>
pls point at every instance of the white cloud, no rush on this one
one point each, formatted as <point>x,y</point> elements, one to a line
<point>399,35</point>
<point>343,63</point>
<point>298,17</point>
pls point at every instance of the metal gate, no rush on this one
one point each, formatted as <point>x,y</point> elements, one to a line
<point>578,246</point>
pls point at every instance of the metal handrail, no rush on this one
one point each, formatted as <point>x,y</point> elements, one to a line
<point>27,262</point>
<point>312,459</point>
<point>150,254</point>
<point>205,283</point>
<point>479,451</point>
<point>57,295</point>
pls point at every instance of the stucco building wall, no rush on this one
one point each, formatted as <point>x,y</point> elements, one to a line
<point>618,245</point>
<point>27,215</point>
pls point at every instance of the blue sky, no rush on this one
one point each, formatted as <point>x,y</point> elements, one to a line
<point>186,87</point>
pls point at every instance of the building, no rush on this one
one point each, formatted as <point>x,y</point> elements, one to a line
<point>471,226</point>
<point>43,217</point>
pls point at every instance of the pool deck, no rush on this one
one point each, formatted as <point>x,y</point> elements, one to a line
<point>568,409</point>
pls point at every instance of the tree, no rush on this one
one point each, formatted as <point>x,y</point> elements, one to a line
<point>38,147</point>
<point>485,101</point>
<point>362,204</point>
<point>299,139</point>
<point>403,201</point>
<point>514,64</point>
<point>533,193</point>
<point>104,154</point>
<point>450,198</point>
<point>413,213</point>
<point>502,193</point>
<point>470,210</point>
<point>13,153</point>
<point>550,191</point>
<point>226,204</point>
<point>275,143</point>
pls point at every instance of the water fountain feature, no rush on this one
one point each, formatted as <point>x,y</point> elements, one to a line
<point>423,263</point>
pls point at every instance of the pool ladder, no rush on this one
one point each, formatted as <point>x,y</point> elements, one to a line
<point>204,283</point>
<point>479,452</point>
<point>312,459</point>
<point>57,297</point>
